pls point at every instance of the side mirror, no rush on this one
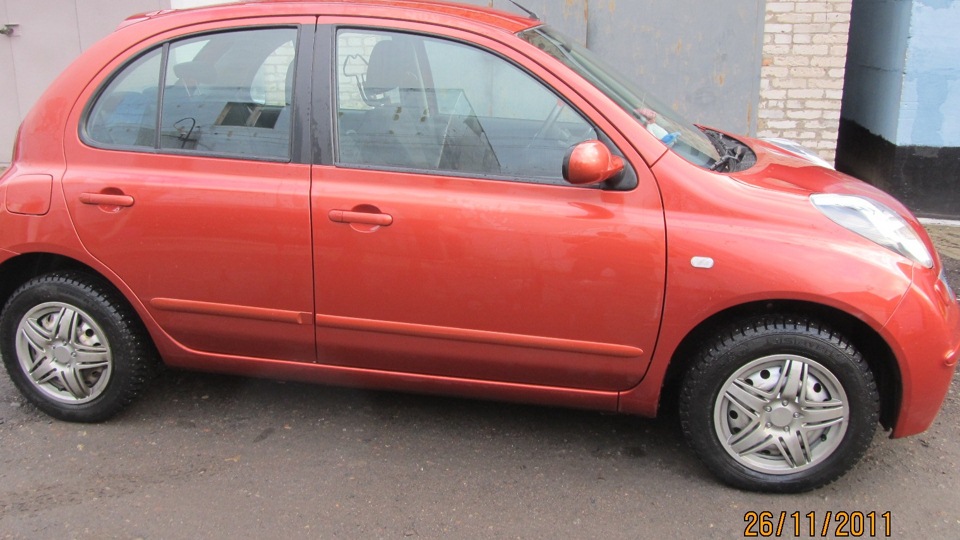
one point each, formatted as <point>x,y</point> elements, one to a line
<point>590,162</point>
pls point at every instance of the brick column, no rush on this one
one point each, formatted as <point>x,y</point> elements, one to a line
<point>801,81</point>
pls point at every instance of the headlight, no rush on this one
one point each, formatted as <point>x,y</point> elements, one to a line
<point>876,222</point>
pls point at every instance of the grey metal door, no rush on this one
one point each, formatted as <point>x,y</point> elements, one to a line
<point>9,108</point>
<point>49,35</point>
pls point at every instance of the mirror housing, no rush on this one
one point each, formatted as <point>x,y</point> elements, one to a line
<point>590,162</point>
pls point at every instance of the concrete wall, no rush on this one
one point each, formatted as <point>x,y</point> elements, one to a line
<point>930,101</point>
<point>903,81</point>
<point>900,127</point>
<point>698,56</point>
<point>875,65</point>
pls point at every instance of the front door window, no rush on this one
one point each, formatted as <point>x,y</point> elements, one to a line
<point>416,102</point>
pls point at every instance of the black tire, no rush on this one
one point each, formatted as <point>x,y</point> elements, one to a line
<point>74,348</point>
<point>779,404</point>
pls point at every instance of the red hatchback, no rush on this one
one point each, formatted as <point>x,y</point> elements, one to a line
<point>439,198</point>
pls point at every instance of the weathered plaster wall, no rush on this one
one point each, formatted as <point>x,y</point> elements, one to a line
<point>876,55</point>
<point>900,125</point>
<point>903,80</point>
<point>930,101</point>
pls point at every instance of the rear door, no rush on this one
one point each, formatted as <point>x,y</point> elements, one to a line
<point>446,241</point>
<point>207,218</point>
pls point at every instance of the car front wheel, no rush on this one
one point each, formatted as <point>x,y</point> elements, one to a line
<point>779,404</point>
<point>73,347</point>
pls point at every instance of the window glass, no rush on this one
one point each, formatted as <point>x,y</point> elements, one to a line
<point>230,93</point>
<point>125,114</point>
<point>225,94</point>
<point>416,102</point>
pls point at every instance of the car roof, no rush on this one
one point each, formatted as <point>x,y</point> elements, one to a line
<point>436,11</point>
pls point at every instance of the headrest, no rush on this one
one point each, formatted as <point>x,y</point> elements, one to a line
<point>194,70</point>
<point>392,65</point>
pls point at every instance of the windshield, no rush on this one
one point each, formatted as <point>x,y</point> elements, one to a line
<point>681,136</point>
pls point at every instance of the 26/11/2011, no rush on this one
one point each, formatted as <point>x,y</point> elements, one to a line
<point>856,524</point>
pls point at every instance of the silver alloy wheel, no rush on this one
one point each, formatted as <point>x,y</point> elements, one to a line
<point>781,414</point>
<point>64,352</point>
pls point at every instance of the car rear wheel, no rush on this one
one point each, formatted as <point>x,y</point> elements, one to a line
<point>74,348</point>
<point>779,404</point>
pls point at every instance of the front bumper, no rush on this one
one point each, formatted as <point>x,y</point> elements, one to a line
<point>924,334</point>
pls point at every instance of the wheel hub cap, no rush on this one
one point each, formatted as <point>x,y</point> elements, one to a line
<point>781,414</point>
<point>61,355</point>
<point>64,352</point>
<point>781,417</point>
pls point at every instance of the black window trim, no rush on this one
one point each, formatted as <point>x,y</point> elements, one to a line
<point>323,124</point>
<point>628,181</point>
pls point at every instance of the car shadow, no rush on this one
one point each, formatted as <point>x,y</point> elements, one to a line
<point>260,409</point>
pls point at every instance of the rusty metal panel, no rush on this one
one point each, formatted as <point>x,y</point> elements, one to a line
<point>703,58</point>
<point>568,16</point>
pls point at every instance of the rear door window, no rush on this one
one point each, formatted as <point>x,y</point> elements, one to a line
<point>222,94</point>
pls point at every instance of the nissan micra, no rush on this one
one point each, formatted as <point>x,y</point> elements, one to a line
<point>431,197</point>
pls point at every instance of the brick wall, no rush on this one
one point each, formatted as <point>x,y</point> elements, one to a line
<point>801,86</point>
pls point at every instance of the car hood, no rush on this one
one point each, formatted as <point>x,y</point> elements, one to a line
<point>779,169</point>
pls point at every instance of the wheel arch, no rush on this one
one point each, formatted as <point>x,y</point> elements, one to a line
<point>105,328</point>
<point>17,270</point>
<point>868,341</point>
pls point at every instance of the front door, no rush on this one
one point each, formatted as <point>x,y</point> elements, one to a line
<point>448,244</point>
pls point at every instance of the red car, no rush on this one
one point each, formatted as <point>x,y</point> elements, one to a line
<point>440,198</point>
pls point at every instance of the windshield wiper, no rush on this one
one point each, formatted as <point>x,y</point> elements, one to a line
<point>726,162</point>
<point>730,155</point>
<point>716,141</point>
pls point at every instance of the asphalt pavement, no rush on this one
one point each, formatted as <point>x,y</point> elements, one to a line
<point>947,240</point>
